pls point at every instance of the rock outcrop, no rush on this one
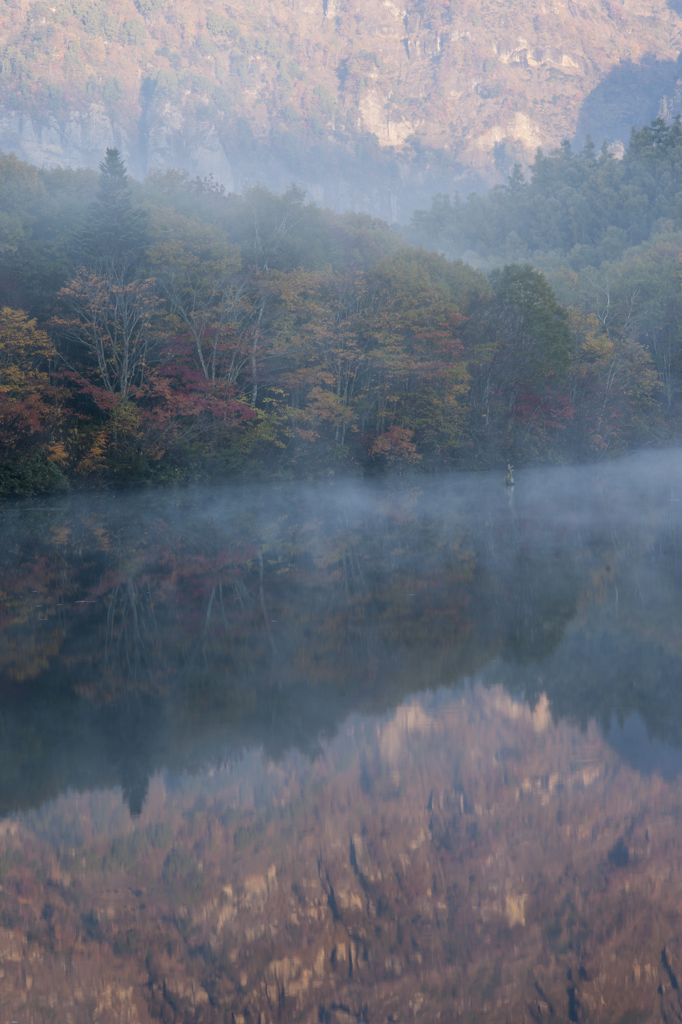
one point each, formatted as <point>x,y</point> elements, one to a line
<point>318,90</point>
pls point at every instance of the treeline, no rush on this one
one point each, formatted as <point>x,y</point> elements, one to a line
<point>607,233</point>
<point>168,331</point>
<point>586,206</point>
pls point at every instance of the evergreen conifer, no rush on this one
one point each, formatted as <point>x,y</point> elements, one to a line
<point>116,232</point>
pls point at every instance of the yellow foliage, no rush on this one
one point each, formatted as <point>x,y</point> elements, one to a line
<point>95,459</point>
<point>25,352</point>
<point>57,453</point>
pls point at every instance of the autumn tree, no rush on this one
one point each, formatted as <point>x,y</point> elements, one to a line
<point>612,385</point>
<point>421,380</point>
<point>208,307</point>
<point>111,318</point>
<point>365,354</point>
<point>31,408</point>
<point>646,306</point>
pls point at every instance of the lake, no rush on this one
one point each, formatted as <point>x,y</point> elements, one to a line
<point>393,751</point>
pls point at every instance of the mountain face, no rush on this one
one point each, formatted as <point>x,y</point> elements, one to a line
<point>371,104</point>
<point>461,859</point>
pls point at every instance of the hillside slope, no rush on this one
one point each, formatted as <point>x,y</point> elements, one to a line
<point>424,94</point>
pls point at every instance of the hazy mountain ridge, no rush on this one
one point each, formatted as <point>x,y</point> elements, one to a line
<point>426,94</point>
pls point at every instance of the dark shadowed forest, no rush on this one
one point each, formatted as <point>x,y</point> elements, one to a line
<point>168,331</point>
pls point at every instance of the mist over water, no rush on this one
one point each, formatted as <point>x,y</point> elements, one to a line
<point>291,748</point>
<point>198,623</point>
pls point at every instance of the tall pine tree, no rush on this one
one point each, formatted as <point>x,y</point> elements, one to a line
<point>116,232</point>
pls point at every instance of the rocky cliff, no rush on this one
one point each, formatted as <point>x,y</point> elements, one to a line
<point>457,860</point>
<point>372,104</point>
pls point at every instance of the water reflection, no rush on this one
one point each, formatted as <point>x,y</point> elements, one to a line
<point>385,753</point>
<point>164,631</point>
<point>461,857</point>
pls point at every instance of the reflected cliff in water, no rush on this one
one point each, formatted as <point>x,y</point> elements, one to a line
<point>460,858</point>
<point>380,753</point>
<point>175,631</point>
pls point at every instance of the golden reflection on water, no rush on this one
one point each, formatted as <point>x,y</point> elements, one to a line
<point>461,858</point>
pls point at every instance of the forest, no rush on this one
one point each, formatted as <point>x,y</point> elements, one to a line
<point>168,331</point>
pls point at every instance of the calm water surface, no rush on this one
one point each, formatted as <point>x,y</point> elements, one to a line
<point>399,752</point>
